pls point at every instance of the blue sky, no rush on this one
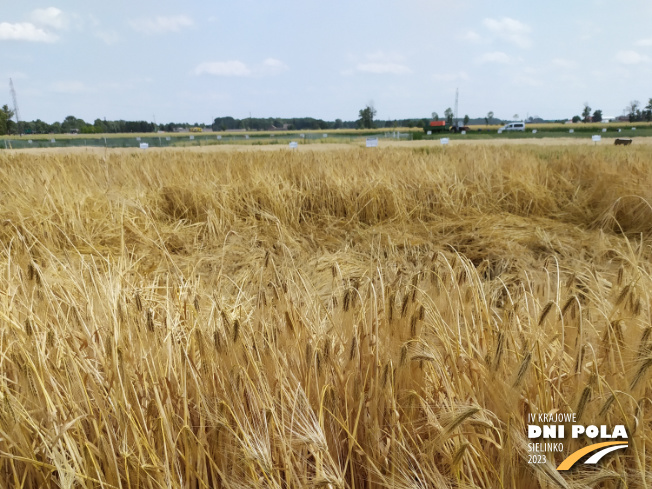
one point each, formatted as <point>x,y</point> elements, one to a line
<point>193,61</point>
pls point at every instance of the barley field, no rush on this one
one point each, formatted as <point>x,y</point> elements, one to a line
<point>330,319</point>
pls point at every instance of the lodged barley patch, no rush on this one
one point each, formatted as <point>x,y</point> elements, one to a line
<point>346,318</point>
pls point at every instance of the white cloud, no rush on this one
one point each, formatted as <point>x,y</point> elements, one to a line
<point>644,42</point>
<point>269,67</point>
<point>25,31</point>
<point>39,28</point>
<point>631,58</point>
<point>273,66</point>
<point>223,68</point>
<point>495,57</point>
<point>510,30</point>
<point>382,63</point>
<point>161,24</point>
<point>49,17</point>
<point>471,36</point>
<point>450,77</point>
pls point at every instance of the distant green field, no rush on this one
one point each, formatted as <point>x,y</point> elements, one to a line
<point>127,140</point>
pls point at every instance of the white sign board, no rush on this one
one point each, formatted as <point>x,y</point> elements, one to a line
<point>619,130</point>
<point>30,141</point>
<point>571,131</point>
<point>52,141</point>
<point>302,135</point>
<point>325,135</point>
<point>167,138</point>
<point>443,140</point>
<point>604,129</point>
<point>144,145</point>
<point>500,131</point>
<point>294,144</point>
<point>219,136</point>
<point>192,137</point>
<point>596,139</point>
<point>372,142</point>
<point>534,131</point>
<point>246,136</point>
<point>137,139</point>
<point>463,132</point>
<point>633,129</point>
<point>429,133</point>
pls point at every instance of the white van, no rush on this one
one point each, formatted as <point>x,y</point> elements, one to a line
<point>514,126</point>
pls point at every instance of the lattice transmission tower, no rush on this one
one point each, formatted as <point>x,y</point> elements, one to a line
<point>13,96</point>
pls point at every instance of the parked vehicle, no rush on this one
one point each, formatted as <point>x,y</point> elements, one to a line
<point>514,126</point>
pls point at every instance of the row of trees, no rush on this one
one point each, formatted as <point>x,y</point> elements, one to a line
<point>272,123</point>
<point>636,114</point>
<point>366,119</point>
<point>69,125</point>
<point>634,111</point>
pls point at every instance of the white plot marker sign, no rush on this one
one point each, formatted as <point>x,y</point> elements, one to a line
<point>219,136</point>
<point>596,138</point>
<point>372,142</point>
<point>444,141</point>
<point>192,137</point>
<point>144,145</point>
<point>294,145</point>
<point>571,131</point>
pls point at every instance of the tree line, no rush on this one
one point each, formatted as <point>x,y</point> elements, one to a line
<point>366,120</point>
<point>70,124</point>
<point>634,112</point>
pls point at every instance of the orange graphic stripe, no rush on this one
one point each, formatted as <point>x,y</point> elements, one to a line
<point>575,456</point>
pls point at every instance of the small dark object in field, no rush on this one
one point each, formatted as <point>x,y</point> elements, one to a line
<point>619,141</point>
